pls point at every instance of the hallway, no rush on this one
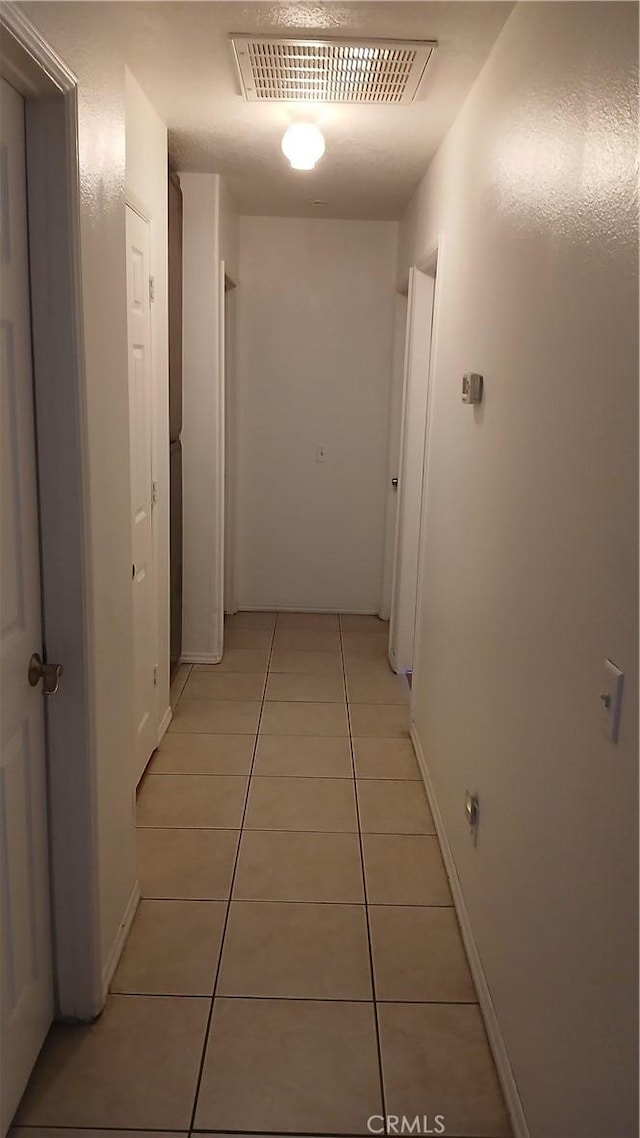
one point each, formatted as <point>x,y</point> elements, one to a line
<point>269,981</point>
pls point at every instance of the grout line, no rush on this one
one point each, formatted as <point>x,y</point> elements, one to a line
<point>364,884</point>
<point>231,886</point>
<point>292,999</point>
<point>298,901</point>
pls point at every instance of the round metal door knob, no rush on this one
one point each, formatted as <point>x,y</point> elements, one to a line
<point>48,673</point>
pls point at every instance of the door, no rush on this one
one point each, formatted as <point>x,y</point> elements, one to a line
<point>411,474</point>
<point>140,424</point>
<point>26,993</point>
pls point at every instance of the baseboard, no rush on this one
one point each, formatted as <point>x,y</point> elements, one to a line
<point>123,932</point>
<point>164,724</point>
<point>201,657</point>
<point>314,609</point>
<point>494,1034</point>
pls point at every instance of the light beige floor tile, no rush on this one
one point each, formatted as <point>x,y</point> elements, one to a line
<point>62,1132</point>
<point>374,666</point>
<point>302,804</point>
<point>436,1060</point>
<point>371,689</point>
<point>304,719</point>
<point>189,753</point>
<point>316,621</point>
<point>177,684</point>
<point>215,717</point>
<point>403,869</point>
<point>207,801</point>
<point>172,949</point>
<point>224,685</point>
<point>365,644</point>
<point>251,620</point>
<point>364,622</point>
<point>296,951</point>
<point>310,663</point>
<point>307,640</point>
<point>287,866</point>
<point>189,864</point>
<point>418,955</point>
<point>136,1066</point>
<point>237,660</point>
<point>323,757</point>
<point>291,687</point>
<point>386,758</point>
<point>379,719</point>
<point>388,806</point>
<point>290,1065</point>
<point>248,638</point>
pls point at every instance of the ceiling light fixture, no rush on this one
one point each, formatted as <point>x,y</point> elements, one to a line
<point>303,144</point>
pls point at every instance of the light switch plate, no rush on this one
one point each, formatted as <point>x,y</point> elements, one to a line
<point>611,696</point>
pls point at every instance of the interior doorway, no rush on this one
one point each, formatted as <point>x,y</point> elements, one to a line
<point>25,945</point>
<point>49,958</point>
<point>412,466</point>
<point>143,570</point>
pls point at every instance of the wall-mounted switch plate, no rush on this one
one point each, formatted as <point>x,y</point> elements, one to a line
<point>321,454</point>
<point>472,384</point>
<point>611,696</point>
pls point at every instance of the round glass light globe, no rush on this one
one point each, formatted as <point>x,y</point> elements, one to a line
<point>303,144</point>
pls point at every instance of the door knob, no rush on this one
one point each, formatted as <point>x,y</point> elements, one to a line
<point>394,483</point>
<point>48,673</point>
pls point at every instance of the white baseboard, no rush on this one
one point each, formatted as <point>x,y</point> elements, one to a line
<point>164,724</point>
<point>201,657</point>
<point>494,1034</point>
<point>123,932</point>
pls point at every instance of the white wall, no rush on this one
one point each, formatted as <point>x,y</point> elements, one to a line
<point>146,189</point>
<point>315,340</point>
<point>229,232</point>
<point>101,110</point>
<point>532,547</point>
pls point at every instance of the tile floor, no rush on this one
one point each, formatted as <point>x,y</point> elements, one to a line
<point>295,965</point>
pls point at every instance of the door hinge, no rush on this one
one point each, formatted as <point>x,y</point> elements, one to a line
<point>152,289</point>
<point>154,493</point>
<point>155,676</point>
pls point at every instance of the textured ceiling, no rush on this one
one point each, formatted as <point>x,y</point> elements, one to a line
<point>180,54</point>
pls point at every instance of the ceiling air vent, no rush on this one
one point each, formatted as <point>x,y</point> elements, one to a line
<point>329,71</point>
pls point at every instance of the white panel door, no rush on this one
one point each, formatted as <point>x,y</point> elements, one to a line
<point>140,427</point>
<point>412,466</point>
<point>26,995</point>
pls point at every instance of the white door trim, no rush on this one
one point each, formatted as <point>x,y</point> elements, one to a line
<point>50,92</point>
<point>411,468</point>
<point>219,506</point>
<point>432,263</point>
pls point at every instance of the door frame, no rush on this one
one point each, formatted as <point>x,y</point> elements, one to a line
<point>431,263</point>
<point>229,379</point>
<point>51,113</point>
<point>427,266</point>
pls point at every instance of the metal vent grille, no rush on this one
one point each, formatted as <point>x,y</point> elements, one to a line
<point>329,71</point>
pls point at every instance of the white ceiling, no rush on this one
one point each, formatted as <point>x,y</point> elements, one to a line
<point>376,155</point>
